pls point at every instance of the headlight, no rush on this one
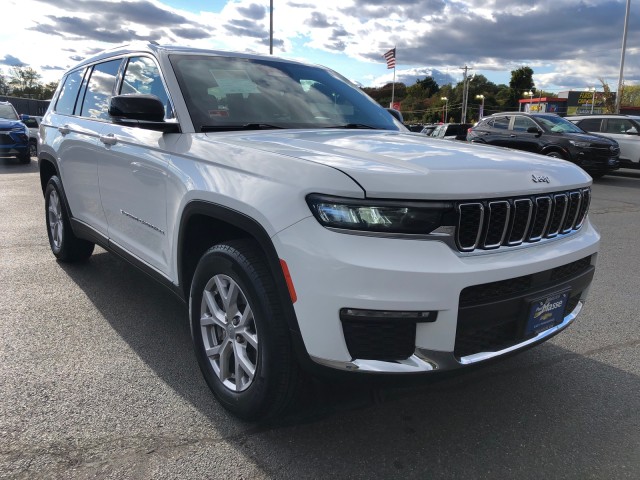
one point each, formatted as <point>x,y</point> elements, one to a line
<point>580,144</point>
<point>384,216</point>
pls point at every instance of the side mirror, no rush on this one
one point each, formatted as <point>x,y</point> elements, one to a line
<point>142,111</point>
<point>396,114</point>
<point>632,131</point>
<point>535,130</point>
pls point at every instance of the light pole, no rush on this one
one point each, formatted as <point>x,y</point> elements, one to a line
<point>446,108</point>
<point>624,47</point>
<point>530,95</point>
<point>481,113</point>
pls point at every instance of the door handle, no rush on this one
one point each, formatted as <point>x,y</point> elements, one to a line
<point>513,136</point>
<point>64,129</point>
<point>109,139</point>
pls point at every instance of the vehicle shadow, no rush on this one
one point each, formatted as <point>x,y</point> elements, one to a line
<point>546,413</point>
<point>625,177</point>
<point>12,165</point>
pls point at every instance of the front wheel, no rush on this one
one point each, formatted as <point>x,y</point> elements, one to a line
<point>33,149</point>
<point>63,242</point>
<point>24,158</point>
<point>555,155</point>
<point>241,338</point>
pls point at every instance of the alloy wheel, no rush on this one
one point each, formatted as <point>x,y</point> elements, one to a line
<point>229,333</point>
<point>56,226</point>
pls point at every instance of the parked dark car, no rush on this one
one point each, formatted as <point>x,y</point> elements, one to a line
<point>14,135</point>
<point>451,131</point>
<point>428,129</point>
<point>551,135</point>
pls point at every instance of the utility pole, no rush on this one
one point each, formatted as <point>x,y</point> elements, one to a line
<point>465,93</point>
<point>624,47</point>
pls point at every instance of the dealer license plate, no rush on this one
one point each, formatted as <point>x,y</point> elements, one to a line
<point>546,312</point>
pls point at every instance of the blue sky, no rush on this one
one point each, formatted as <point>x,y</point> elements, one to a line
<point>570,44</point>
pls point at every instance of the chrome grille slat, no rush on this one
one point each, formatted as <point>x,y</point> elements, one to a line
<point>521,220</point>
<point>508,222</point>
<point>497,223</point>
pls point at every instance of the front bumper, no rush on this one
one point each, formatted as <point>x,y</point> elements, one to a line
<point>332,271</point>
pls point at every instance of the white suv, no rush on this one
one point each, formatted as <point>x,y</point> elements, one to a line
<point>305,227</point>
<point>624,129</point>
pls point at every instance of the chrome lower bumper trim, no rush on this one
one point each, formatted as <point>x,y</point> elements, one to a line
<point>431,360</point>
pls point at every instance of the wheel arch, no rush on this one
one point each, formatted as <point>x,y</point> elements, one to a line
<point>557,148</point>
<point>204,224</point>
<point>48,168</point>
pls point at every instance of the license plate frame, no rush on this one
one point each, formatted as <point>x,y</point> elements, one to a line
<point>546,312</point>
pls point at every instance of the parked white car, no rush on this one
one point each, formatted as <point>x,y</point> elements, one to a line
<point>624,129</point>
<point>303,225</point>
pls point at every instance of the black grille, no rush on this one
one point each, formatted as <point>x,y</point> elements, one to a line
<point>492,315</point>
<point>380,339</point>
<point>495,290</point>
<point>487,224</point>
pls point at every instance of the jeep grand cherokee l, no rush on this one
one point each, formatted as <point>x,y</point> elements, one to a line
<point>303,225</point>
<point>551,135</point>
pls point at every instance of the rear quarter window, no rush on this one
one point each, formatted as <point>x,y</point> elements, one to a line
<point>69,93</point>
<point>590,124</point>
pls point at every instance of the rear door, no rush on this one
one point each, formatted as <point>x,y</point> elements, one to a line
<point>496,131</point>
<point>73,128</point>
<point>520,138</point>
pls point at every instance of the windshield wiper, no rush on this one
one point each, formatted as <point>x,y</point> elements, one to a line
<point>354,125</point>
<point>242,126</point>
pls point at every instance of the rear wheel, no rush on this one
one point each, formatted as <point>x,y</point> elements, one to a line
<point>63,242</point>
<point>239,332</point>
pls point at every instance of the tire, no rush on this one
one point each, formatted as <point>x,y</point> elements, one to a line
<point>63,242</point>
<point>24,159</point>
<point>247,359</point>
<point>555,155</point>
<point>33,149</point>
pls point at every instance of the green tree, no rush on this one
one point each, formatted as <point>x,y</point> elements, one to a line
<point>4,85</point>
<point>25,82</point>
<point>609,98</point>
<point>630,96</point>
<point>521,81</point>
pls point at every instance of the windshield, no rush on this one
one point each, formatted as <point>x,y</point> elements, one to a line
<point>228,93</point>
<point>557,124</point>
<point>7,111</point>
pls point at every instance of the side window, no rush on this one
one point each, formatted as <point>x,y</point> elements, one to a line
<point>618,125</point>
<point>521,124</point>
<point>501,123</point>
<point>30,122</point>
<point>69,92</point>
<point>99,90</point>
<point>142,76</point>
<point>590,124</point>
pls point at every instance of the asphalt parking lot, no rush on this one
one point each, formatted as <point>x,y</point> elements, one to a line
<point>98,380</point>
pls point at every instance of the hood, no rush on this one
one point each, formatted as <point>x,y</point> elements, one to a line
<point>389,164</point>
<point>6,124</point>
<point>588,137</point>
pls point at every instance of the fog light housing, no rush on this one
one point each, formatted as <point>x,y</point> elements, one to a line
<point>385,335</point>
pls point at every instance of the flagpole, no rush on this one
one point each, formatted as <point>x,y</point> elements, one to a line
<point>393,87</point>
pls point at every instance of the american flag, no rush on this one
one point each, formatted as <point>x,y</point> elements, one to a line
<point>390,57</point>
